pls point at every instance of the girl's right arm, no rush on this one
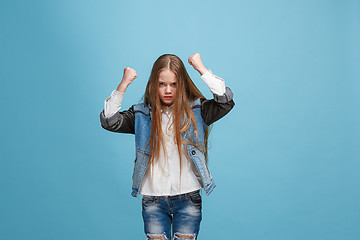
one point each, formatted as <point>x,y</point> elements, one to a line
<point>113,120</point>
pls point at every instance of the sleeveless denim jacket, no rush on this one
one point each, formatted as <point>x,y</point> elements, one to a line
<point>142,134</point>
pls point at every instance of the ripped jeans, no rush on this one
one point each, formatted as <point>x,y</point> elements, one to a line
<point>181,212</point>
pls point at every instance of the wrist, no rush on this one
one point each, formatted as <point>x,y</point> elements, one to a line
<point>202,70</point>
<point>122,87</point>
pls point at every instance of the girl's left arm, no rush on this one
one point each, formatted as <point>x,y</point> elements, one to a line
<point>216,108</point>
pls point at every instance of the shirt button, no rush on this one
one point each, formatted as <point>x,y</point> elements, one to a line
<point>193,152</point>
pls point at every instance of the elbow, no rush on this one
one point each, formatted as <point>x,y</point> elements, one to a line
<point>112,124</point>
<point>104,121</point>
<point>225,98</point>
<point>232,103</point>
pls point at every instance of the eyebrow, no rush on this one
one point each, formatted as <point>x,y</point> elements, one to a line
<point>170,82</point>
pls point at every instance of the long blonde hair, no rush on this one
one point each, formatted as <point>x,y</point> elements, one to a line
<point>186,93</point>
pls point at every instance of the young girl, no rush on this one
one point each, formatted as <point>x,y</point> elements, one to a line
<point>171,130</point>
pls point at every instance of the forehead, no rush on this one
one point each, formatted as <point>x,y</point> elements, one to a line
<point>167,75</point>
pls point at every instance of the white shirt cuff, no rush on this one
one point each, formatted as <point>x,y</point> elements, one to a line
<point>113,103</point>
<point>215,84</point>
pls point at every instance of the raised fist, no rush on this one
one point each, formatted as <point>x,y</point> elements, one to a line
<point>195,61</point>
<point>129,75</point>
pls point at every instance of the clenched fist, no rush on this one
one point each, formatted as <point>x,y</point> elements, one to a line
<point>195,61</point>
<point>129,76</point>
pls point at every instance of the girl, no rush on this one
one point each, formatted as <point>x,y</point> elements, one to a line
<point>171,130</point>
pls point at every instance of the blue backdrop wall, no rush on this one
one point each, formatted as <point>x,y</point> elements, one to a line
<point>285,159</point>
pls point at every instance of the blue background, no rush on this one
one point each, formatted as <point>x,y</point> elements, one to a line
<point>285,159</point>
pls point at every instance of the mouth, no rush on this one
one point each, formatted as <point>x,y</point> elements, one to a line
<point>168,97</point>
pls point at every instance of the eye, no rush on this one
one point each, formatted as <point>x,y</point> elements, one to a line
<point>161,83</point>
<point>174,84</point>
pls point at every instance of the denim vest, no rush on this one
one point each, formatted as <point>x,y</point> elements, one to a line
<point>142,134</point>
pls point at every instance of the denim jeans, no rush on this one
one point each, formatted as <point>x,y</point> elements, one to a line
<point>172,217</point>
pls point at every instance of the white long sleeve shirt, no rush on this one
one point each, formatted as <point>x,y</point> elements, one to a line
<point>163,179</point>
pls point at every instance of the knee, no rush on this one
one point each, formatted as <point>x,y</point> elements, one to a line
<point>184,236</point>
<point>156,236</point>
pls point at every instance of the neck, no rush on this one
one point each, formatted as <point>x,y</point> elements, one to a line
<point>167,108</point>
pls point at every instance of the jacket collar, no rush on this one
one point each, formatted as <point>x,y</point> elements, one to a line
<point>147,110</point>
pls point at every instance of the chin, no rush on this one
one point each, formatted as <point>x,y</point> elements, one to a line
<point>166,103</point>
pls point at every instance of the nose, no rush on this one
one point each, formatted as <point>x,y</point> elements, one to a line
<point>168,89</point>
